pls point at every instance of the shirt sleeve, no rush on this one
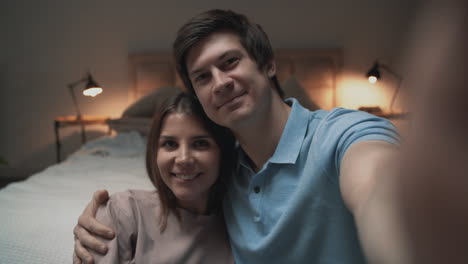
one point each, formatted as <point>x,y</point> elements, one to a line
<point>343,127</point>
<point>117,214</point>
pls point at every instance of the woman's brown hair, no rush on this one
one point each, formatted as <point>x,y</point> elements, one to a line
<point>185,103</point>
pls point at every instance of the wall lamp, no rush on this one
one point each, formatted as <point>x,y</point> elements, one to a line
<point>91,89</point>
<point>374,75</point>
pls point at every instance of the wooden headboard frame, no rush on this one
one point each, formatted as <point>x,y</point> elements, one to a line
<point>315,69</point>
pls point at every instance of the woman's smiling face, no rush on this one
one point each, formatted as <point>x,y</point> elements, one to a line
<point>188,160</point>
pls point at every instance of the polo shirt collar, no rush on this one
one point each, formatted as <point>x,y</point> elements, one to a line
<point>291,140</point>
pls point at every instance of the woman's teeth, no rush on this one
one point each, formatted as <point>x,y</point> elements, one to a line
<point>185,176</point>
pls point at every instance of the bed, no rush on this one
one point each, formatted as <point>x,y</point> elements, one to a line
<point>38,214</point>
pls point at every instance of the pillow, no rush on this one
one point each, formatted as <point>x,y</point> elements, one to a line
<point>147,105</point>
<point>127,124</point>
<point>292,88</point>
<point>129,144</point>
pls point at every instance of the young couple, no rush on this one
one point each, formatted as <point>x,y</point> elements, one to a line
<point>303,183</point>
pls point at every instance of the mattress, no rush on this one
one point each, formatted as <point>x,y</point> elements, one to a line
<point>38,214</point>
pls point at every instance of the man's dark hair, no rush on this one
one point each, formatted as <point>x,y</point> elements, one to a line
<point>251,35</point>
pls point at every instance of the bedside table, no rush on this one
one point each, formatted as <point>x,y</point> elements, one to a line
<point>393,115</point>
<point>66,121</point>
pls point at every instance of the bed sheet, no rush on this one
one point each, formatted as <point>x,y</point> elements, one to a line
<point>38,214</point>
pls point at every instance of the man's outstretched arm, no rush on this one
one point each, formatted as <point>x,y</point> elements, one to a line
<point>368,172</point>
<point>88,228</point>
<point>415,211</point>
<point>410,204</point>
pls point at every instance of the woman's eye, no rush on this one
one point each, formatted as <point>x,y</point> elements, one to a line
<point>201,77</point>
<point>201,144</point>
<point>169,144</point>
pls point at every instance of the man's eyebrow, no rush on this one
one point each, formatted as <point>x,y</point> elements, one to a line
<point>220,57</point>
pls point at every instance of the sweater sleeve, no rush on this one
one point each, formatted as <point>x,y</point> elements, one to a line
<point>118,215</point>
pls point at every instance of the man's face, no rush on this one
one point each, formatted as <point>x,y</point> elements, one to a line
<point>227,81</point>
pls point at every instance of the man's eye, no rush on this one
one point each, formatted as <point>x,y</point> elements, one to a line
<point>231,61</point>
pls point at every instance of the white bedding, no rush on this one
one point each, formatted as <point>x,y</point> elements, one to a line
<point>38,215</point>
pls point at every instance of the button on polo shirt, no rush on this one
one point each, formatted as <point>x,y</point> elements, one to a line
<point>256,189</point>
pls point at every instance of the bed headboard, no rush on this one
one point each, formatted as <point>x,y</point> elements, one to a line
<point>315,70</point>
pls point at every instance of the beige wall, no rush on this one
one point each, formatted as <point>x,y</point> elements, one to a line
<point>47,44</point>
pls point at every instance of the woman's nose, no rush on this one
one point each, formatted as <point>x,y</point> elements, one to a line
<point>184,157</point>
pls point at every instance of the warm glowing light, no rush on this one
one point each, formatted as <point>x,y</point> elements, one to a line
<point>353,92</point>
<point>92,91</point>
<point>372,79</point>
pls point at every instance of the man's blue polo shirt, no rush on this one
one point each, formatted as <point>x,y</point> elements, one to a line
<point>292,210</point>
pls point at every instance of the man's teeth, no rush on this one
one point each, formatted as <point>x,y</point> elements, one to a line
<point>185,176</point>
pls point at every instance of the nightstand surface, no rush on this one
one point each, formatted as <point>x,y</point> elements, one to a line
<point>393,115</point>
<point>86,119</point>
<point>65,121</point>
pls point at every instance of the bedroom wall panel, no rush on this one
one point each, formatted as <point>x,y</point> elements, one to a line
<point>316,71</point>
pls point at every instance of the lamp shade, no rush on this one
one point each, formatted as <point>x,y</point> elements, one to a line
<point>92,88</point>
<point>374,73</point>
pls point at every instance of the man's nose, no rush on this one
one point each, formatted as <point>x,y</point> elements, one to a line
<point>222,81</point>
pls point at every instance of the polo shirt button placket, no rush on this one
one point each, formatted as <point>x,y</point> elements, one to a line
<point>256,189</point>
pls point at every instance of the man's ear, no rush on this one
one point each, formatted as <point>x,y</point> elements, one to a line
<point>271,68</point>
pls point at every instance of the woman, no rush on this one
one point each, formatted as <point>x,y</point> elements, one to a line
<point>188,159</point>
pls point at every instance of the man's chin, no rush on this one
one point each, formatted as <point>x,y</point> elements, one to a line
<point>234,118</point>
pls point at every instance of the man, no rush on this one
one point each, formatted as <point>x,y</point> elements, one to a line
<point>304,188</point>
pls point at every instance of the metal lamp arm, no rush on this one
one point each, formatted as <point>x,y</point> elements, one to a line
<point>397,89</point>
<point>388,69</point>
<point>71,86</point>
